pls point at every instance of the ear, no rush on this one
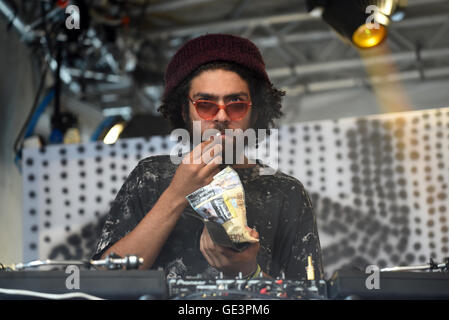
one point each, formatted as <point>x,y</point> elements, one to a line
<point>184,114</point>
<point>254,116</point>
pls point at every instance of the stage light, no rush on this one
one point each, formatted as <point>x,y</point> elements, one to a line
<point>114,133</point>
<point>364,37</point>
<point>117,127</point>
<point>362,23</point>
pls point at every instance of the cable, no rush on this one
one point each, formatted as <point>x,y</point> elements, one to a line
<point>18,140</point>
<point>37,114</point>
<point>51,296</point>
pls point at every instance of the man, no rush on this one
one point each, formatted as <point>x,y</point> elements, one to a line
<point>151,217</point>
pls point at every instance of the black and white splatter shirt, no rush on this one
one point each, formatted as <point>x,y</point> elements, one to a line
<point>277,206</point>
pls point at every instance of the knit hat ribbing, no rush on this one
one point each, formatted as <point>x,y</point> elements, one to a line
<point>208,48</point>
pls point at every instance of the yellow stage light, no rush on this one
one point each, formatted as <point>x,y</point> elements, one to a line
<point>368,37</point>
<point>363,23</point>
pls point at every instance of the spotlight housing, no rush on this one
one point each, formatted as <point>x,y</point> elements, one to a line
<point>362,23</point>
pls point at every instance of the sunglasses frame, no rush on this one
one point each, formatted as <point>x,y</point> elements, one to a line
<point>221,107</point>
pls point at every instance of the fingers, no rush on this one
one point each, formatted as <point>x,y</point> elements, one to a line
<point>212,168</point>
<point>227,260</point>
<point>213,160</point>
<point>215,255</point>
<point>208,159</point>
<point>212,153</point>
<point>205,252</point>
<point>194,157</point>
<point>253,232</point>
<point>206,247</point>
<point>204,149</point>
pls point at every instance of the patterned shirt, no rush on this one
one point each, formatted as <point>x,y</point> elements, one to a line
<point>277,206</point>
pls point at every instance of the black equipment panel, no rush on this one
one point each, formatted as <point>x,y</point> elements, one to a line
<point>152,284</point>
<point>349,284</point>
<point>106,284</point>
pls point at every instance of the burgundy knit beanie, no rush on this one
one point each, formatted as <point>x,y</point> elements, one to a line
<point>208,48</point>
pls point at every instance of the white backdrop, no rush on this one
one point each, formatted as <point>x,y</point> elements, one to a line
<point>378,185</point>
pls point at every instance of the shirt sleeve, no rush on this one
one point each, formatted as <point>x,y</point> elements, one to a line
<point>299,236</point>
<point>136,196</point>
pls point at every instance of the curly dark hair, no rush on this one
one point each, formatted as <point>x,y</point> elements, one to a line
<point>266,99</point>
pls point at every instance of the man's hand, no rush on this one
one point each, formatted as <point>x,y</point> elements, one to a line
<point>197,168</point>
<point>227,260</point>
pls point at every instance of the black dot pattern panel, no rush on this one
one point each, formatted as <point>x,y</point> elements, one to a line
<point>379,186</point>
<point>68,188</point>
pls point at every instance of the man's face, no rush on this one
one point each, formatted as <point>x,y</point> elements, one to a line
<point>220,86</point>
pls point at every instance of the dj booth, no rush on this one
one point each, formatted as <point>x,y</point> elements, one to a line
<point>153,285</point>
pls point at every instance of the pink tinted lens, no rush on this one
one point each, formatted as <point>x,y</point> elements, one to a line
<point>237,110</point>
<point>206,109</point>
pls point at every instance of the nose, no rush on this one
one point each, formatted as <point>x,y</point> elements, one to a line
<point>222,116</point>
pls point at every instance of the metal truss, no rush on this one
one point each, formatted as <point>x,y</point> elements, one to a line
<point>317,59</point>
<point>303,55</point>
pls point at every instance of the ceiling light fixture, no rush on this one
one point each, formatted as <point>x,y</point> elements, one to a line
<point>362,23</point>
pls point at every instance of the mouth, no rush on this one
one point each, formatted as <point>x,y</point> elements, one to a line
<point>221,133</point>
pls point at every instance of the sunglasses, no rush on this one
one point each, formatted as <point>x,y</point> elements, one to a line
<point>235,110</point>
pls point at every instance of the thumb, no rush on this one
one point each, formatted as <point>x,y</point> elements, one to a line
<point>253,232</point>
